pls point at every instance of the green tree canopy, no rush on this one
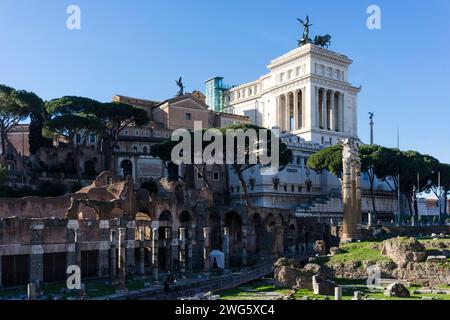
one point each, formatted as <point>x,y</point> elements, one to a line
<point>13,109</point>
<point>164,152</point>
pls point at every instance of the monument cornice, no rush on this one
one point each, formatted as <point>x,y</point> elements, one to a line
<point>320,80</point>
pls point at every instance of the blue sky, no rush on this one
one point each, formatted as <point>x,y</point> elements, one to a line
<point>138,48</point>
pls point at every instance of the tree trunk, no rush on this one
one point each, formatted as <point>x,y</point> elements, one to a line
<point>243,185</point>
<point>205,179</point>
<point>444,214</point>
<point>3,140</point>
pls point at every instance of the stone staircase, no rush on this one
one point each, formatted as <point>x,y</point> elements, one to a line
<point>323,206</point>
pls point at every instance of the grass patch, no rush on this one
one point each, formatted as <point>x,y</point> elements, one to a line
<point>358,252</point>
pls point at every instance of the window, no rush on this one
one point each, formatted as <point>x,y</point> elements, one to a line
<point>92,137</point>
<point>78,138</point>
<point>117,148</point>
<point>158,134</point>
<point>188,116</point>
<point>145,150</point>
<point>135,149</point>
<point>136,133</point>
<point>292,188</point>
<point>199,175</point>
<point>216,175</point>
<point>285,188</point>
<point>232,190</point>
<point>167,135</point>
<point>299,160</point>
<point>125,132</point>
<point>300,188</point>
<point>147,133</point>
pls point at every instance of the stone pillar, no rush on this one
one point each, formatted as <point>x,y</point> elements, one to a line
<point>71,259</point>
<point>244,246</point>
<point>287,114</point>
<point>103,253</point>
<point>182,250</point>
<point>315,108</point>
<point>324,109</point>
<point>171,245</point>
<point>112,255</point>
<point>357,199</point>
<point>206,248</point>
<point>338,293</point>
<point>122,260</point>
<point>296,119</point>
<point>351,192</point>
<point>189,251</point>
<point>172,242</point>
<point>36,271</point>
<point>342,112</point>
<point>130,245</point>
<point>332,112</point>
<point>142,251</point>
<point>226,246</point>
<point>155,263</point>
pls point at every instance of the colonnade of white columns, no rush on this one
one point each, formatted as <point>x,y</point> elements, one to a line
<point>327,110</point>
<point>291,110</point>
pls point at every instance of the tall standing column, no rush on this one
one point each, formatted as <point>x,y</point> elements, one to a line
<point>244,246</point>
<point>155,263</point>
<point>332,112</point>
<point>206,248</point>
<point>130,244</point>
<point>358,192</point>
<point>36,271</point>
<point>189,250</point>
<point>324,109</point>
<point>103,253</point>
<point>182,250</point>
<point>171,245</point>
<point>342,111</point>
<point>287,114</point>
<point>315,108</point>
<point>72,227</point>
<point>142,251</point>
<point>226,246</point>
<point>296,119</point>
<point>113,256</point>
<point>122,260</point>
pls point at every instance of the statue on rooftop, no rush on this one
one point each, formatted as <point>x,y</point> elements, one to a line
<point>180,84</point>
<point>306,26</point>
<point>323,41</point>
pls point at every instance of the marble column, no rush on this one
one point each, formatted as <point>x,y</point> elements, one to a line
<point>103,253</point>
<point>155,263</point>
<point>324,109</point>
<point>287,112</point>
<point>226,246</point>
<point>72,227</point>
<point>315,108</point>
<point>36,267</point>
<point>172,246</point>
<point>122,260</point>
<point>358,193</point>
<point>296,119</point>
<point>342,111</point>
<point>244,246</point>
<point>182,250</point>
<point>206,248</point>
<point>332,112</point>
<point>112,255</point>
<point>189,251</point>
<point>130,247</point>
<point>142,251</point>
